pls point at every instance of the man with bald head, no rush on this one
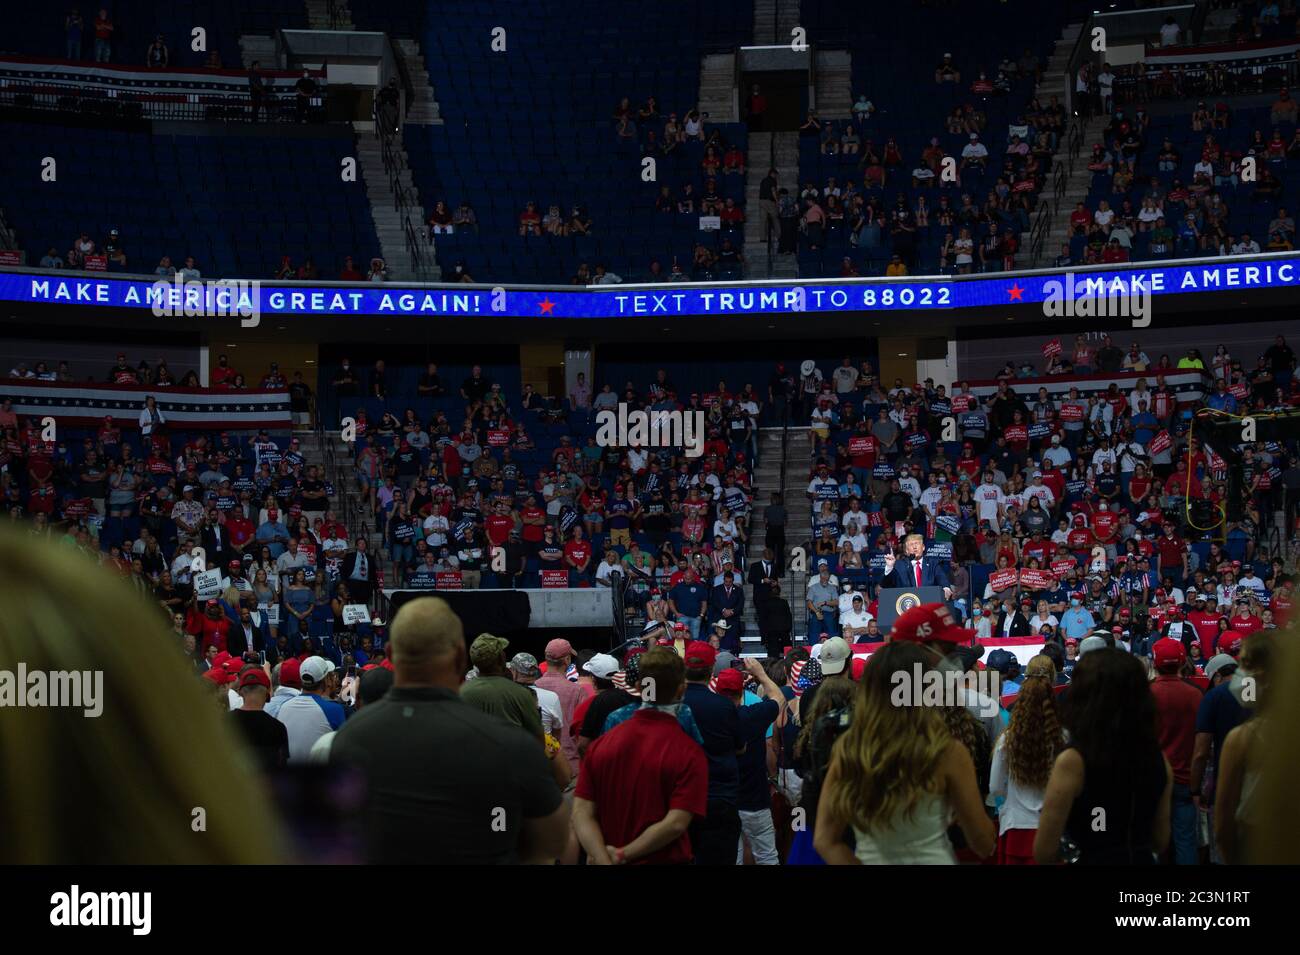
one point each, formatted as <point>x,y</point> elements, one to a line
<point>448,784</point>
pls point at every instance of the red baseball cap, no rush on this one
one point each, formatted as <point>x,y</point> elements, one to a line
<point>290,673</point>
<point>219,675</point>
<point>255,676</point>
<point>930,623</point>
<point>1233,647</point>
<point>220,659</point>
<point>1168,652</point>
<point>730,681</point>
<point>700,654</point>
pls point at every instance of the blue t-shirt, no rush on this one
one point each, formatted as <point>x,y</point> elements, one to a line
<point>755,726</point>
<point>688,598</point>
<point>719,723</point>
<point>1218,715</point>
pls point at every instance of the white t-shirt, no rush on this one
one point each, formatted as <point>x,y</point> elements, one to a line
<point>857,620</point>
<point>307,718</point>
<point>1169,34</point>
<point>548,704</point>
<point>989,497</point>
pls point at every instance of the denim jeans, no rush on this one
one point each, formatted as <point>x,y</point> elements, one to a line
<point>103,48</point>
<point>1184,822</point>
<point>826,627</point>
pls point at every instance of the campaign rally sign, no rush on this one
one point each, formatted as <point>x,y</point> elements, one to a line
<point>449,580</point>
<point>354,614</point>
<point>1003,579</point>
<point>555,578</point>
<point>207,584</point>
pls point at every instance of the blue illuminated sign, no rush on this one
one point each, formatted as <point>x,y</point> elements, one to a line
<point>670,300</point>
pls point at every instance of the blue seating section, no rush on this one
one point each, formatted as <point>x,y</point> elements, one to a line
<point>534,123</point>
<point>237,204</point>
<point>37,29</point>
<point>1246,211</point>
<point>898,78</point>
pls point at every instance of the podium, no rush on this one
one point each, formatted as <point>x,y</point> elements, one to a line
<point>895,601</point>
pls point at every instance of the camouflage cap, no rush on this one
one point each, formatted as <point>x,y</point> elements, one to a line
<point>487,648</point>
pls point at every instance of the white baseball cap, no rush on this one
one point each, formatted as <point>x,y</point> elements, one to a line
<point>602,665</point>
<point>834,656</point>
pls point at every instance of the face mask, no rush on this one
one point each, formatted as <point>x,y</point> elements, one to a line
<point>1074,603</point>
<point>978,612</point>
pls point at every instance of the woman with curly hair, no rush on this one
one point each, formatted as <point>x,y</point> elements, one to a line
<point>897,776</point>
<point>1022,762</point>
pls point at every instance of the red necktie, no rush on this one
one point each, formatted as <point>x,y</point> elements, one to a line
<point>917,565</point>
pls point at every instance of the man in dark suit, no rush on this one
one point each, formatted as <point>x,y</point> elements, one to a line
<point>775,622</point>
<point>916,570</point>
<point>248,634</point>
<point>762,575</point>
<point>358,572</point>
<point>727,602</point>
<point>1012,621</point>
<point>215,541</point>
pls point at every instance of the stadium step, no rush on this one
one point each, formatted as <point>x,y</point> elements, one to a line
<point>423,109</point>
<point>834,86</point>
<point>257,49</point>
<point>773,21</point>
<point>718,88</point>
<point>389,221</point>
<point>763,149</point>
<point>318,16</point>
<point>798,514</point>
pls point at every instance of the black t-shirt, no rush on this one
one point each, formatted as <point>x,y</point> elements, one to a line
<point>476,388</point>
<point>299,396</point>
<point>436,770</point>
<point>267,736</point>
<point>604,703</point>
<point>313,503</point>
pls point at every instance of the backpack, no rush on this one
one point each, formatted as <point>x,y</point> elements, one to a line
<point>828,728</point>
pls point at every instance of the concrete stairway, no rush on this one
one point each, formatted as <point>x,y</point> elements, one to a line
<point>757,163</point>
<point>1054,78</point>
<point>718,88</point>
<point>1076,187</point>
<point>767,478</point>
<point>772,26</point>
<point>257,49</point>
<point>388,221</point>
<point>318,16</point>
<point>423,110</point>
<point>834,87</point>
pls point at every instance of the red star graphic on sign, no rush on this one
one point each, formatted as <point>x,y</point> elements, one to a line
<point>547,306</point>
<point>1016,292</point>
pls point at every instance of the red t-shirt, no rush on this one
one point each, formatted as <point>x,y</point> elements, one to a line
<point>498,528</point>
<point>1170,550</point>
<point>637,772</point>
<point>531,532</point>
<point>1104,525</point>
<point>1247,624</point>
<point>1177,702</point>
<point>1080,538</point>
<point>578,551</point>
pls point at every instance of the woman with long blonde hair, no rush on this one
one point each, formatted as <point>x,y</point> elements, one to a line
<point>1240,828</point>
<point>1022,762</point>
<point>157,776</point>
<point>897,777</point>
